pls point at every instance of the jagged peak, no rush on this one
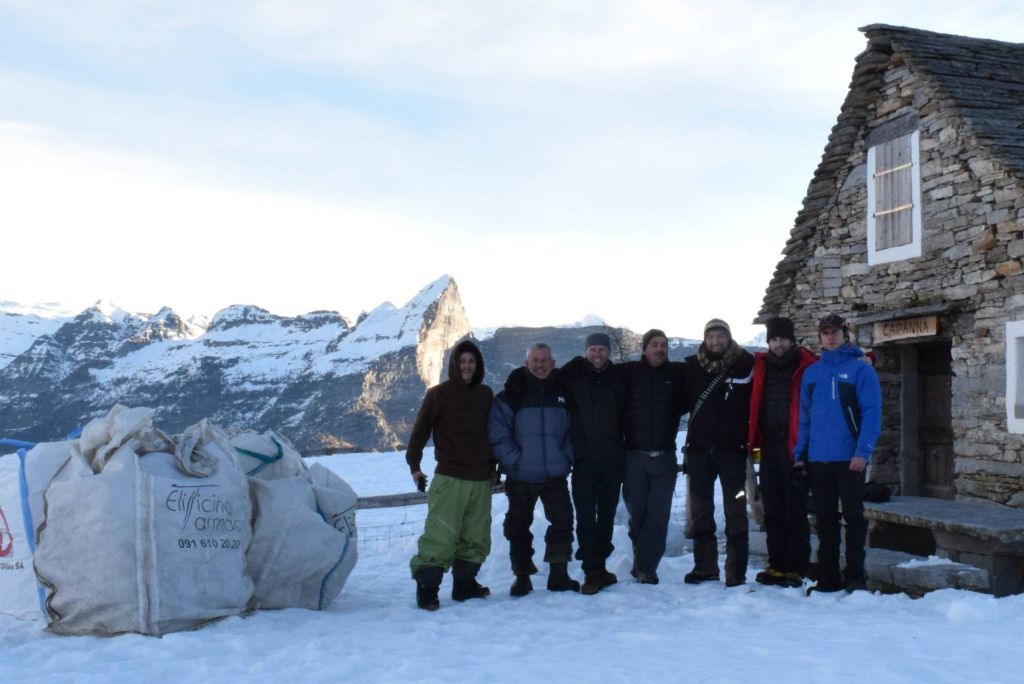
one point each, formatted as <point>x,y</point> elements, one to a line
<point>106,311</point>
<point>241,314</point>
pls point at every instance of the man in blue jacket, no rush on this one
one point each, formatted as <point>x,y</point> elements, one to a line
<point>840,420</point>
<point>529,434</point>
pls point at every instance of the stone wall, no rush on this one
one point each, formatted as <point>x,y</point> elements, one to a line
<point>972,244</point>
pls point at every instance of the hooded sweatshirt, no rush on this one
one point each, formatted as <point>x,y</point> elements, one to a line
<point>840,408</point>
<point>456,414</point>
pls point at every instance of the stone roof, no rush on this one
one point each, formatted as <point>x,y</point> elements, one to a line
<point>980,81</point>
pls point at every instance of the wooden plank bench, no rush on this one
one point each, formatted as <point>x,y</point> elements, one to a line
<point>985,535</point>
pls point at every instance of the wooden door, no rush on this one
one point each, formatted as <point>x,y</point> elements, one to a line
<point>935,427</point>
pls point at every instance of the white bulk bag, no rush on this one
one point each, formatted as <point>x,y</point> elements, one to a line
<point>142,546</point>
<point>304,542</point>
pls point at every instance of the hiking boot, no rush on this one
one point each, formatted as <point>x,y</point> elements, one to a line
<point>559,580</point>
<point>735,581</point>
<point>700,577</point>
<point>647,577</point>
<point>522,586</point>
<point>428,581</point>
<point>855,584</point>
<point>469,589</point>
<point>770,577</point>
<point>597,580</point>
<point>792,579</point>
<point>465,586</point>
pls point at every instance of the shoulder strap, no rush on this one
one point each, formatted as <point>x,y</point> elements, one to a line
<point>707,393</point>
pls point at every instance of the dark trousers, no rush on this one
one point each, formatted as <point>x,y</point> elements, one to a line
<point>702,469</point>
<point>649,482</point>
<point>785,513</point>
<point>595,493</point>
<point>522,499</point>
<point>832,482</point>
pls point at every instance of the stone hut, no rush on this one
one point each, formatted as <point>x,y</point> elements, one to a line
<point>913,229</point>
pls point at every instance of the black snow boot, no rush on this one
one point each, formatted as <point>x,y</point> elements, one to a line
<point>428,581</point>
<point>465,585</point>
<point>522,586</point>
<point>559,580</point>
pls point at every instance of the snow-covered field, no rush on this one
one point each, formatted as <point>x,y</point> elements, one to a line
<point>629,632</point>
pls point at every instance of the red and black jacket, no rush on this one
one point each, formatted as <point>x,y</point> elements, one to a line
<point>754,438</point>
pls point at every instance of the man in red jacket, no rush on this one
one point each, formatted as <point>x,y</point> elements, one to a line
<point>774,411</point>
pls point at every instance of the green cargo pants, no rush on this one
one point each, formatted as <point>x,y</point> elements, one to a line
<point>458,523</point>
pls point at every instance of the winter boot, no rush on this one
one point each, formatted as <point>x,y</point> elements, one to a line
<point>559,580</point>
<point>597,580</point>
<point>792,580</point>
<point>522,586</point>
<point>771,577</point>
<point>465,586</point>
<point>699,577</point>
<point>428,581</point>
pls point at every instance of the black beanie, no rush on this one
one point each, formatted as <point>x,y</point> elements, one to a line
<point>598,340</point>
<point>781,327</point>
<point>650,335</point>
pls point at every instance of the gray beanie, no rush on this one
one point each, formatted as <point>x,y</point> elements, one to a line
<point>718,324</point>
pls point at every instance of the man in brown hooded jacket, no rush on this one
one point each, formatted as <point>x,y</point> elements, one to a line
<point>457,532</point>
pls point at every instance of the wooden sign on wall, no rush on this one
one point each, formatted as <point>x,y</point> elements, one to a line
<point>903,328</point>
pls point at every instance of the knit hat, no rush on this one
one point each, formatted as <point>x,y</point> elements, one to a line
<point>650,335</point>
<point>598,340</point>
<point>832,321</point>
<point>717,324</point>
<point>781,327</point>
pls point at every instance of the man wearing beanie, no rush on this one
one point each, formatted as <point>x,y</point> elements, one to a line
<point>656,398</point>
<point>774,412</point>
<point>840,420</point>
<point>597,392</point>
<point>718,376</point>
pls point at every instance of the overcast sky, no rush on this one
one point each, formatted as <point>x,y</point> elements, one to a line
<point>640,160</point>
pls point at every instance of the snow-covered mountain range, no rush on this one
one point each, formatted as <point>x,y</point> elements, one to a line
<point>323,380</point>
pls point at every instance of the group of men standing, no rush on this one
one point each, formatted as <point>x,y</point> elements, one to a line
<point>612,428</point>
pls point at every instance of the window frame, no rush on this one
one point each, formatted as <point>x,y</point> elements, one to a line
<point>913,248</point>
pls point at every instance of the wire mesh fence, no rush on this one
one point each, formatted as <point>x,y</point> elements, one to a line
<point>385,527</point>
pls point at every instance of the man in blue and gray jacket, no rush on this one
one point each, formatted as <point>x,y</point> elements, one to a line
<point>840,420</point>
<point>529,434</point>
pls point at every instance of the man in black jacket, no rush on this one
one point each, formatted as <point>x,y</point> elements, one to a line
<point>719,377</point>
<point>656,397</point>
<point>597,392</point>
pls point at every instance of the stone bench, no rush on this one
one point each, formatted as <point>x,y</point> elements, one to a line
<point>984,535</point>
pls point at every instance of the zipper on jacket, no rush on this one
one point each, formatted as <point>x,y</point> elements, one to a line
<point>833,387</point>
<point>543,433</point>
<point>853,421</point>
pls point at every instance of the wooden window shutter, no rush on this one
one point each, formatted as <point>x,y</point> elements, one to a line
<point>894,204</point>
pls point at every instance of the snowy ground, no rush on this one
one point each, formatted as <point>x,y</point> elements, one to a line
<point>629,632</point>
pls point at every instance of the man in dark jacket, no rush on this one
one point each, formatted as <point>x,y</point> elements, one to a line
<point>840,420</point>
<point>719,376</point>
<point>457,532</point>
<point>774,411</point>
<point>529,433</point>
<point>597,392</point>
<point>656,398</point>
